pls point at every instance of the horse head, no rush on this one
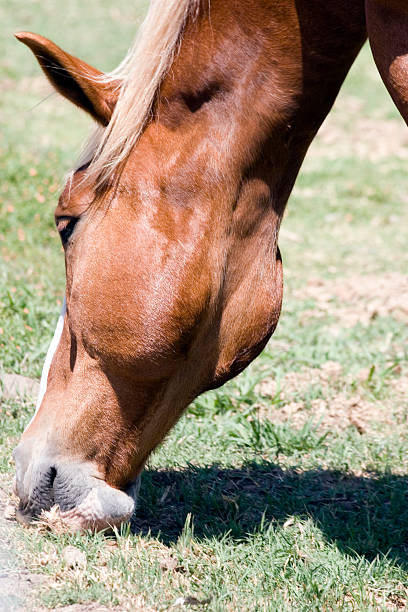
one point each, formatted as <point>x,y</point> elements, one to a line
<point>173,273</point>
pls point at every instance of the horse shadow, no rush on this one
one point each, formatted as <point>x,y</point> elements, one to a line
<point>365,515</point>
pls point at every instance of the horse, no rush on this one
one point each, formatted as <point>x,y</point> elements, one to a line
<point>170,224</point>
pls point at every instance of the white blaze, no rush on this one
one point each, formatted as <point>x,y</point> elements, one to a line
<point>48,360</point>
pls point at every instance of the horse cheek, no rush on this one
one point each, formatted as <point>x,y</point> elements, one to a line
<point>250,317</point>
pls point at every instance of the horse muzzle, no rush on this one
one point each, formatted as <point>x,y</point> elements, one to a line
<point>84,500</point>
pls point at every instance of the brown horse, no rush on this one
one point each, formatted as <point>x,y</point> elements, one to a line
<point>170,224</point>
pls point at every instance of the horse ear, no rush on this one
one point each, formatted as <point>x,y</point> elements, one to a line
<point>73,78</point>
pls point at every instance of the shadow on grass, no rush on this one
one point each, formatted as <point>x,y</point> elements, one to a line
<point>367,515</point>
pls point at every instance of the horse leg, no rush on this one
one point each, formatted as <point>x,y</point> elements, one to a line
<point>387,26</point>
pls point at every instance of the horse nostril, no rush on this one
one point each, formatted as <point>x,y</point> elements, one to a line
<point>37,494</point>
<point>51,476</point>
<point>43,494</point>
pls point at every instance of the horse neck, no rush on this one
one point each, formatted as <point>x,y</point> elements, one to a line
<point>267,73</point>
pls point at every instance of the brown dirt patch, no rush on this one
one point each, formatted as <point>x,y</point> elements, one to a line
<point>93,607</point>
<point>337,411</point>
<point>15,386</point>
<point>18,585</point>
<point>357,299</point>
<point>340,405</point>
<point>347,133</point>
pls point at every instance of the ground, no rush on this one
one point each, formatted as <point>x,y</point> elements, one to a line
<point>287,488</point>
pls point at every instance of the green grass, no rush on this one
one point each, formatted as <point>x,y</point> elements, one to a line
<point>287,488</point>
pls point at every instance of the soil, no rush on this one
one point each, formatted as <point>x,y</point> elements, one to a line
<point>338,408</point>
<point>372,138</point>
<point>14,385</point>
<point>17,584</point>
<point>357,299</point>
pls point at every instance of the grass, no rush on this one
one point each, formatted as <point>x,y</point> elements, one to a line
<point>287,488</point>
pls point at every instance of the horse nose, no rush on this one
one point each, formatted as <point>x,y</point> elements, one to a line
<point>84,499</point>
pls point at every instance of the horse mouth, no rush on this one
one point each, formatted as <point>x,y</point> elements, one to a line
<point>74,501</point>
<point>100,509</point>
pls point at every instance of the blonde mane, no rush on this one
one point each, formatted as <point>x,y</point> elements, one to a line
<point>139,76</point>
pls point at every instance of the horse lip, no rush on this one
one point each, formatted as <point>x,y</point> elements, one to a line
<point>28,511</point>
<point>24,518</point>
<point>103,507</point>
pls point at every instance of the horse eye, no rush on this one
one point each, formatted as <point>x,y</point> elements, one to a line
<point>65,227</point>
